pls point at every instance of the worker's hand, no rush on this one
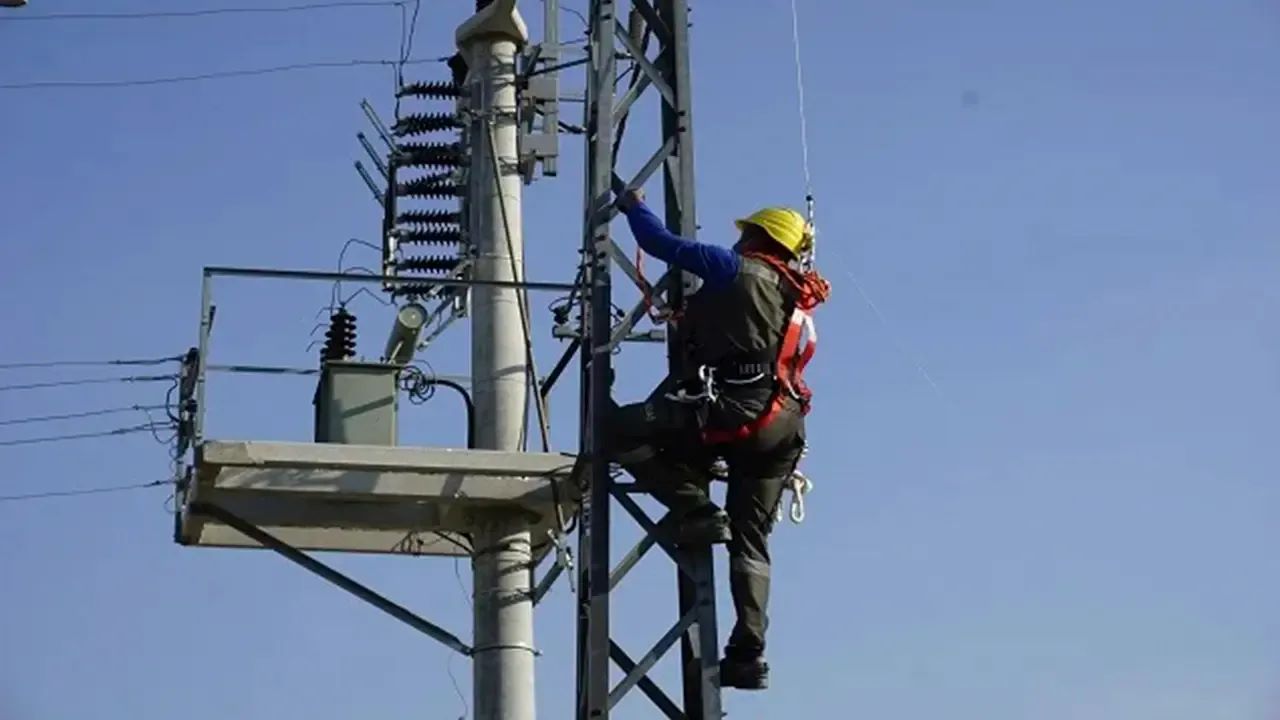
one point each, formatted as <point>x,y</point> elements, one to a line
<point>630,199</point>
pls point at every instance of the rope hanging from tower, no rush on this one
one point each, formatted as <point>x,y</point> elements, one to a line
<point>810,258</point>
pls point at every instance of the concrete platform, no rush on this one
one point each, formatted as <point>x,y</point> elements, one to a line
<point>369,498</point>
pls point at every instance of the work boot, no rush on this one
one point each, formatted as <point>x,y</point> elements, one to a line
<point>704,526</point>
<point>744,672</point>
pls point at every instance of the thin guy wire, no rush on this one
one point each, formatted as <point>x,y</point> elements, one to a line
<point>448,668</point>
<point>86,381</point>
<point>808,182</point>
<point>77,415</point>
<point>85,491</point>
<point>88,363</point>
<point>66,84</point>
<point>204,12</point>
<point>149,427</point>
<point>804,122</point>
<point>893,336</point>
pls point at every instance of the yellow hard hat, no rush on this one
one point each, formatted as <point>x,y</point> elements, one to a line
<point>785,226</point>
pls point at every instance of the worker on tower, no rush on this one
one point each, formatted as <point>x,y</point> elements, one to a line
<point>742,400</point>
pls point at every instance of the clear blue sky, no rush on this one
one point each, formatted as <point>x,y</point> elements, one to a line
<point>1066,211</point>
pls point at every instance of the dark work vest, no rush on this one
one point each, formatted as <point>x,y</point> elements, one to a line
<point>739,323</point>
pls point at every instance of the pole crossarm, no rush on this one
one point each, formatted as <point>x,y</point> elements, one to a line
<point>363,592</point>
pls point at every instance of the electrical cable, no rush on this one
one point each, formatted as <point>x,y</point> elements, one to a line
<point>413,29</point>
<point>448,668</point>
<point>408,28</point>
<point>148,427</point>
<point>205,12</point>
<point>63,84</point>
<point>78,415</point>
<point>84,491</point>
<point>365,291</point>
<point>89,363</point>
<point>87,381</point>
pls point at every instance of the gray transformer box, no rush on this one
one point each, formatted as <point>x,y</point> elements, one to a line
<point>356,403</point>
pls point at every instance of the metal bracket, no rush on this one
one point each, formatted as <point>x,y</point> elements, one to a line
<point>563,561</point>
<point>324,571</point>
<point>539,100</point>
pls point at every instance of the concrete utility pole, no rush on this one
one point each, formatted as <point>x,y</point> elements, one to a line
<point>503,660</point>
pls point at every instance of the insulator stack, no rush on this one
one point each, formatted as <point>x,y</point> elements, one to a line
<point>430,142</point>
<point>429,217</point>
<point>413,289</point>
<point>431,89</point>
<point>431,263</point>
<point>340,338</point>
<point>441,185</point>
<point>440,155</point>
<point>425,123</point>
<point>430,237</point>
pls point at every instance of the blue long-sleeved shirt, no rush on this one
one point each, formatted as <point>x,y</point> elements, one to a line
<point>717,266</point>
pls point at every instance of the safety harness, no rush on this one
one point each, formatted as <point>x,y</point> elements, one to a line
<point>799,343</point>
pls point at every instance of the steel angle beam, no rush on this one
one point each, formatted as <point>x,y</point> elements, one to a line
<point>316,567</point>
<point>666,68</point>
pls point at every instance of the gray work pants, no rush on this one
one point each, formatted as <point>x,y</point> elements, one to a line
<point>658,443</point>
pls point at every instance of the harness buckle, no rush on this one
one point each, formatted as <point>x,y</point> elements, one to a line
<point>707,391</point>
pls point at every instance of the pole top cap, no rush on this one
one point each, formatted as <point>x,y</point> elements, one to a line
<point>499,18</point>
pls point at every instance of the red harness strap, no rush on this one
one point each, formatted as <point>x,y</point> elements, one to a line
<point>789,370</point>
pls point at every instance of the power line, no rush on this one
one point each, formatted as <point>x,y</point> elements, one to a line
<point>252,72</point>
<point>147,427</point>
<point>87,381</point>
<point>204,12</point>
<point>84,491</point>
<point>87,363</point>
<point>85,414</point>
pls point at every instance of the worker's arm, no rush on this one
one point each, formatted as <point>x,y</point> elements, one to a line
<point>717,266</point>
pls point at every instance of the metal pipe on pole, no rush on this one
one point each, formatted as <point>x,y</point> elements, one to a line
<point>503,669</point>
